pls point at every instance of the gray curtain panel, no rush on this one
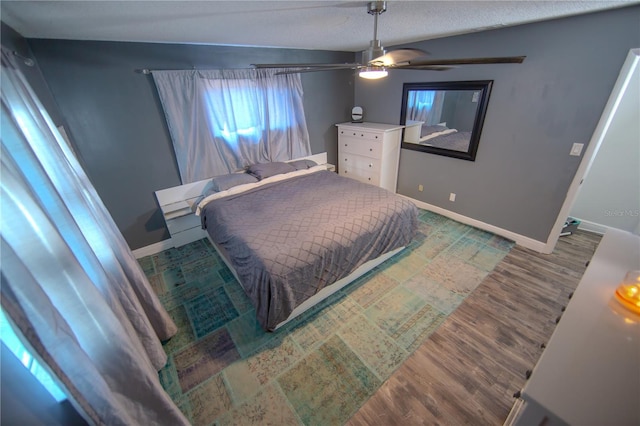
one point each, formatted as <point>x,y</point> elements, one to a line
<point>70,284</point>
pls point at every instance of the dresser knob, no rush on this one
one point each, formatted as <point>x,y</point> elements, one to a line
<point>370,149</point>
<point>370,165</point>
<point>369,178</point>
<point>354,134</point>
<point>345,159</point>
<point>346,144</point>
<point>361,135</point>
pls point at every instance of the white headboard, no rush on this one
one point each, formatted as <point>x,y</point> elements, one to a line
<point>318,158</point>
<point>190,192</point>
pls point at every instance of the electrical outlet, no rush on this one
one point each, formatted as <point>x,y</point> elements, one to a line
<point>576,149</point>
<point>452,196</point>
<point>420,188</point>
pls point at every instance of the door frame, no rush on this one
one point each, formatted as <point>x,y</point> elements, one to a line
<point>624,77</point>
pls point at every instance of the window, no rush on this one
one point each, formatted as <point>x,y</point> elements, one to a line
<point>247,113</point>
<point>13,343</point>
<point>222,120</point>
<point>235,113</point>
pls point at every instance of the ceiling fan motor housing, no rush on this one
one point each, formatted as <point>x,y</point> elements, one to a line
<point>375,50</point>
<point>376,7</point>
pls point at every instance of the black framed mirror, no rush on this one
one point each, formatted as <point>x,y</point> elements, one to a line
<point>444,118</point>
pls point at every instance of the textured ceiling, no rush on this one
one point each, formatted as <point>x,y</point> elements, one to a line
<point>325,25</point>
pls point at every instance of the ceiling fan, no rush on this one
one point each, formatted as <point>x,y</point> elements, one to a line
<point>376,61</point>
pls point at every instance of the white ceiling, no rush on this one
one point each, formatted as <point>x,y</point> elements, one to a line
<point>325,25</point>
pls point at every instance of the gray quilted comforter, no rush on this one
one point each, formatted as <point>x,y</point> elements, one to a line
<point>290,239</point>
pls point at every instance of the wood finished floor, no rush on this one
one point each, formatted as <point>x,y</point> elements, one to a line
<point>469,369</point>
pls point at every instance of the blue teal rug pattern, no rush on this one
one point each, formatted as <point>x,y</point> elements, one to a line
<point>321,367</point>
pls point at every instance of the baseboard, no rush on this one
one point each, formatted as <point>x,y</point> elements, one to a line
<point>521,240</point>
<point>596,228</point>
<point>516,409</point>
<point>152,248</point>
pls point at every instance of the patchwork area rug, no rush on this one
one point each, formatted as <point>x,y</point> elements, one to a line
<point>321,367</point>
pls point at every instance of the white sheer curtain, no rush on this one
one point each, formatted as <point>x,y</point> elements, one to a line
<point>425,105</point>
<point>223,120</point>
<point>70,284</point>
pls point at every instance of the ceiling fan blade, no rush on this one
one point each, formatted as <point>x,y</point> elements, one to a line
<point>398,56</point>
<point>404,58</point>
<point>304,69</point>
<point>263,66</point>
<point>424,67</point>
<point>471,61</point>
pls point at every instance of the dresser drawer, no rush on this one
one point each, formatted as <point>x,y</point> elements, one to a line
<point>366,176</point>
<point>182,223</point>
<point>359,134</point>
<point>359,162</point>
<point>364,147</point>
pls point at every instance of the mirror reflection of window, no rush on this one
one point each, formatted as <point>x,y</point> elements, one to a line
<point>425,106</point>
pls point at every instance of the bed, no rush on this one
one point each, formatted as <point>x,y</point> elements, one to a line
<point>438,135</point>
<point>294,237</point>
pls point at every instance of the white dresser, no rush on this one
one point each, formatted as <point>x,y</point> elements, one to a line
<point>370,152</point>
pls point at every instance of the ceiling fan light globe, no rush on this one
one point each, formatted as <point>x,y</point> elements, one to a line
<point>373,73</point>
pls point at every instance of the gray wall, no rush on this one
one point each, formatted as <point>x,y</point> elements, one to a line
<point>518,182</point>
<point>536,111</point>
<point>117,125</point>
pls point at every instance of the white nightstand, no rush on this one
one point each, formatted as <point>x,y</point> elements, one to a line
<point>177,205</point>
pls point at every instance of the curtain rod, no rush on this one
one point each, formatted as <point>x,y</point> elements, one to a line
<point>148,71</point>
<point>27,61</point>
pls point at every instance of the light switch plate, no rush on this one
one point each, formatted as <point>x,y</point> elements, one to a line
<point>576,149</point>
